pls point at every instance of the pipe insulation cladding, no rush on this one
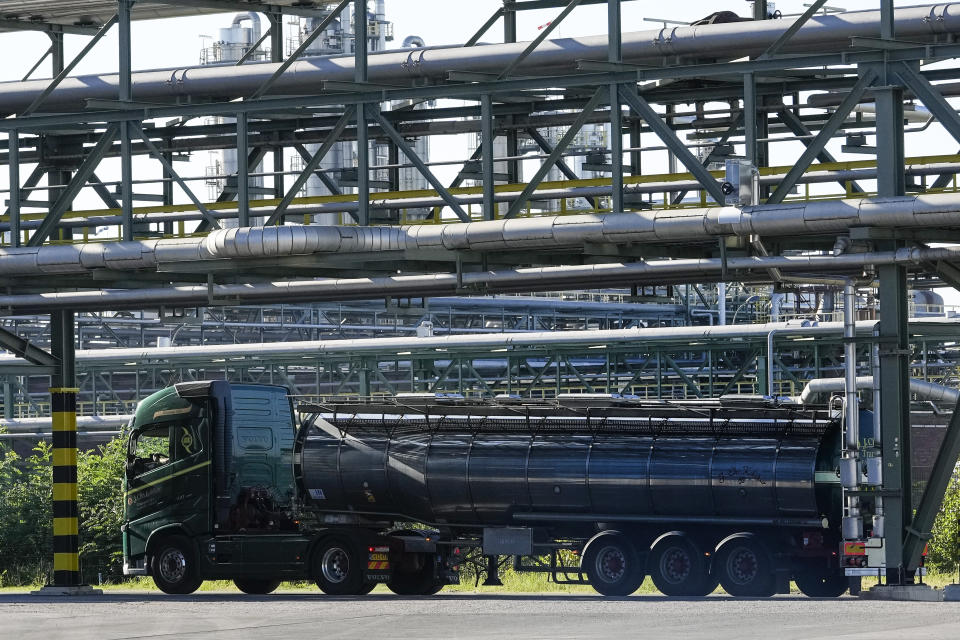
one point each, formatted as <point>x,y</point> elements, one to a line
<point>543,233</point>
<point>414,67</point>
<point>504,281</point>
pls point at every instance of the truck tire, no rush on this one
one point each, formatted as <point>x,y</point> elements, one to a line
<point>256,586</point>
<point>338,568</point>
<point>173,565</point>
<point>678,567</point>
<point>745,567</point>
<point>821,583</point>
<point>417,582</point>
<point>612,564</point>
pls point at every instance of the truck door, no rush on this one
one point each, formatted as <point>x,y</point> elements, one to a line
<point>168,476</point>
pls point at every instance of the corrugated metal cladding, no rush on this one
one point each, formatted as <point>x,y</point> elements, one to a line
<point>94,12</point>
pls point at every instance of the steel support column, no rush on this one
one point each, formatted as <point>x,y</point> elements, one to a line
<point>126,132</point>
<point>243,172</point>
<point>13,143</point>
<point>363,141</point>
<point>487,154</point>
<point>615,55</point>
<point>66,540</point>
<point>894,342</point>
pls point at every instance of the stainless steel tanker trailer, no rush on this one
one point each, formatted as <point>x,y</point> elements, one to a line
<point>602,490</point>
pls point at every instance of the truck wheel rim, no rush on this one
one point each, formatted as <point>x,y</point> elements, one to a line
<point>173,565</point>
<point>675,565</point>
<point>611,564</point>
<point>742,566</point>
<point>335,565</point>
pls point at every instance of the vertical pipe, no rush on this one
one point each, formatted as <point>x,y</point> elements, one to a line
<point>852,527</point>
<point>851,408</point>
<point>243,171</point>
<point>488,152</point>
<point>363,142</point>
<point>14,167</point>
<point>722,303</point>
<point>126,146</point>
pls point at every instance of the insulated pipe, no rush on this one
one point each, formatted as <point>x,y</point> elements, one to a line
<point>415,66</point>
<point>84,423</point>
<point>920,388</point>
<point>312,349</point>
<point>550,232</point>
<point>508,280</point>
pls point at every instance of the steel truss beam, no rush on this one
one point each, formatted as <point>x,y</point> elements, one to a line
<point>277,216</point>
<point>800,130</point>
<point>544,34</point>
<point>326,22</point>
<point>373,112</point>
<point>547,148</point>
<point>71,190</point>
<point>669,137</point>
<point>70,67</point>
<point>7,24</point>
<point>22,348</point>
<point>558,151</point>
<point>168,167</point>
<point>817,145</point>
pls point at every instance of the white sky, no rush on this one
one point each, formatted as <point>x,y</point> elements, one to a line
<point>177,42</point>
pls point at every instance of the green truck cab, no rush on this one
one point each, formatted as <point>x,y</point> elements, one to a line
<point>210,493</point>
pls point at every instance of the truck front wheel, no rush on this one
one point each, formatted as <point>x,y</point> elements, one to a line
<point>174,566</point>
<point>337,568</point>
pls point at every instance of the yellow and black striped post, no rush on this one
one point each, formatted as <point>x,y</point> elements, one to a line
<point>66,539</point>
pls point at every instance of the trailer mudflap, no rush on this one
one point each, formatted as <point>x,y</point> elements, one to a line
<point>378,564</point>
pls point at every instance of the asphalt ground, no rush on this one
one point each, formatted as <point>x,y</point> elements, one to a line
<point>231,616</point>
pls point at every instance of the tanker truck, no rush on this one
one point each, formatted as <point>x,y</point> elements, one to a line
<point>233,481</point>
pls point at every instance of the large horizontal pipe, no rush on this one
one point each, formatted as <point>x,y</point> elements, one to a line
<point>137,356</point>
<point>549,232</point>
<point>508,280</point>
<point>93,424</point>
<point>720,41</point>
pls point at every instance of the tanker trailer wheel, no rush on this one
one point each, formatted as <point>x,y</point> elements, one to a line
<point>612,564</point>
<point>338,568</point>
<point>822,582</point>
<point>408,579</point>
<point>256,586</point>
<point>745,567</point>
<point>679,567</point>
<point>173,565</point>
